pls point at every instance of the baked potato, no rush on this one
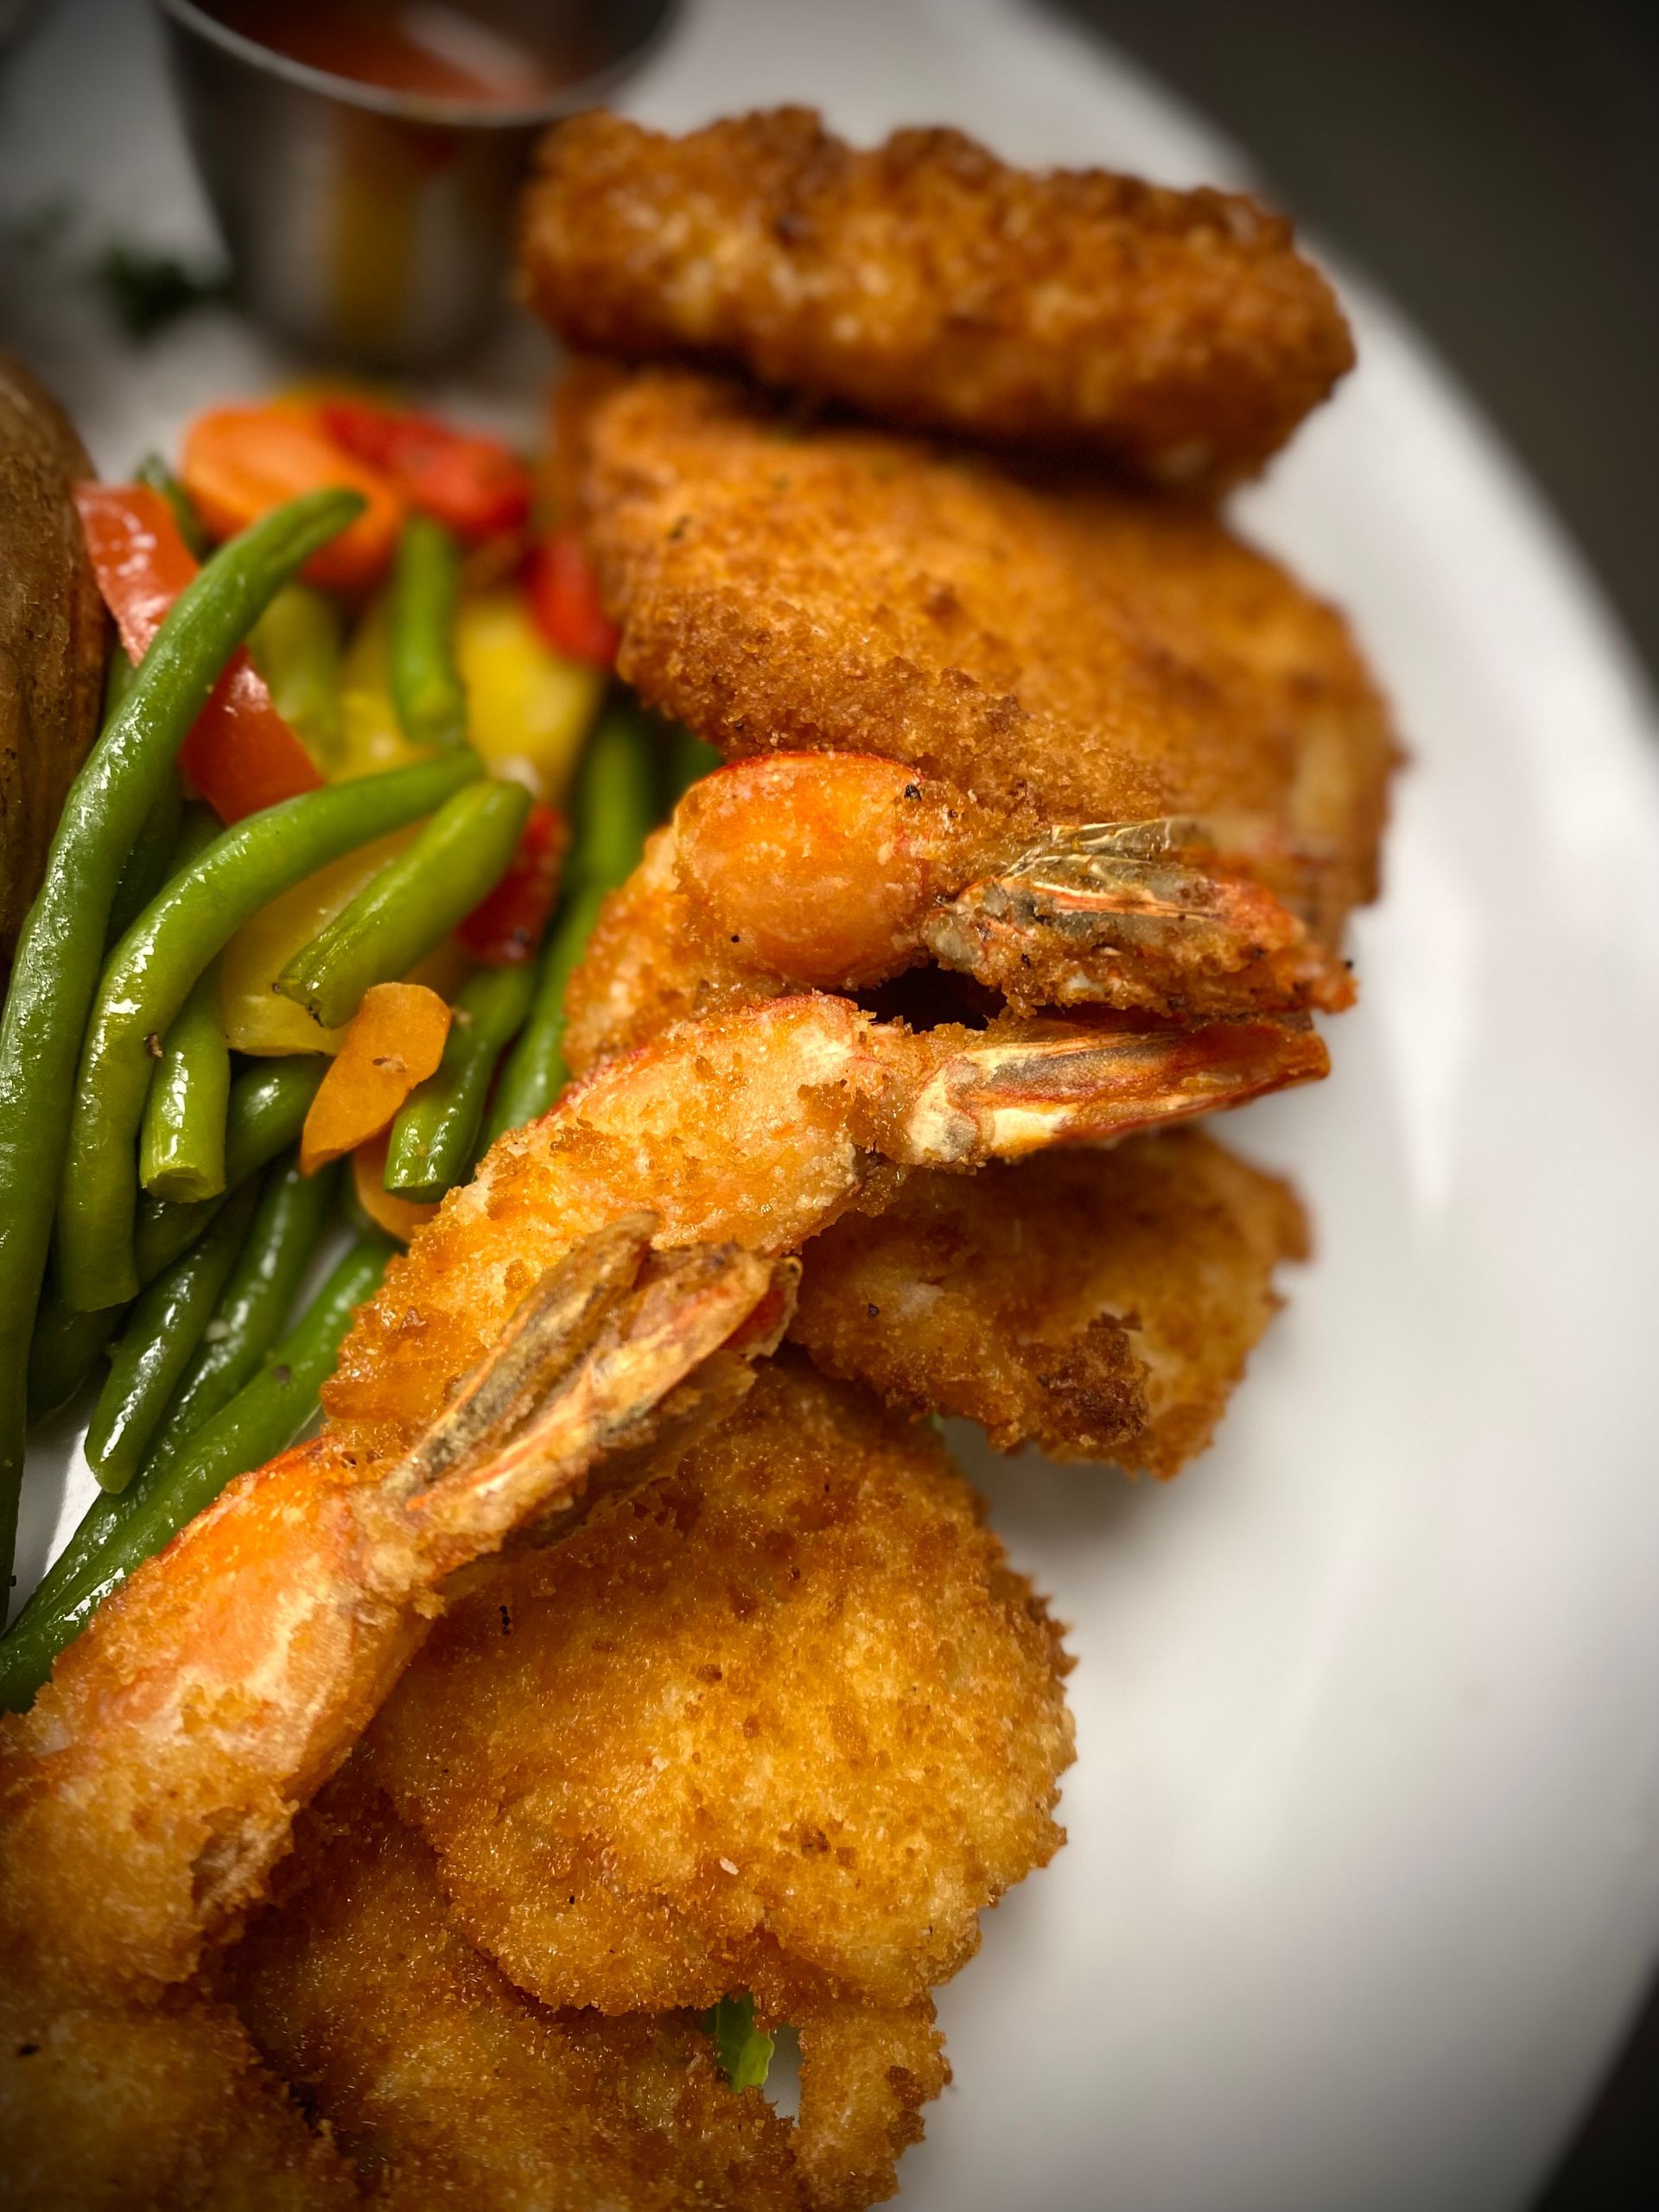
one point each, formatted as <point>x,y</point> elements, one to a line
<point>53,635</point>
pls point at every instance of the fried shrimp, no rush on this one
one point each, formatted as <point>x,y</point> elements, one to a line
<point>785,1720</point>
<point>444,2085</point>
<point>542,1336</point>
<point>1101,1304</point>
<point>1078,745</point>
<point>1178,335</point>
<point>148,1793</point>
<point>761,1126</point>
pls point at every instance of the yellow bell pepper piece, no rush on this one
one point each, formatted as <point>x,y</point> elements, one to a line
<point>370,737</point>
<point>256,1019</point>
<point>529,709</point>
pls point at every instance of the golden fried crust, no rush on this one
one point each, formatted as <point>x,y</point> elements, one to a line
<point>1062,652</point>
<point>647,965</point>
<point>865,2076</point>
<point>784,1720</point>
<point>105,2108</point>
<point>1178,336</point>
<point>447,2087</point>
<point>1099,1303</point>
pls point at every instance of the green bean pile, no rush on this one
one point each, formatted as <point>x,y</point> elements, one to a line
<point>154,1218</point>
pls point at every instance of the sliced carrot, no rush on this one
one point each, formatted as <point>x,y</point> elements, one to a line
<point>395,1040</point>
<point>238,463</point>
<point>399,1218</point>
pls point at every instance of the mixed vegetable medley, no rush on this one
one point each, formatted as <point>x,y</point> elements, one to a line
<point>365,775</point>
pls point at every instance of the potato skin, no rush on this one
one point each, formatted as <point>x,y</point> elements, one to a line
<point>54,635</point>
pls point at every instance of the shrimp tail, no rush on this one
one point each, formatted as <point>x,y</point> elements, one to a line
<point>148,1794</point>
<point>1063,922</point>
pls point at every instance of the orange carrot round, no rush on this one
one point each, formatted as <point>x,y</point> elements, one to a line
<point>240,461</point>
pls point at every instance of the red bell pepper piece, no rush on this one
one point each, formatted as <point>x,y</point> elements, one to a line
<point>504,930</point>
<point>564,594</point>
<point>240,754</point>
<point>474,485</point>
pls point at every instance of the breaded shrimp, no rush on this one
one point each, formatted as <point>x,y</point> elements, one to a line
<point>761,1126</point>
<point>446,2085</point>
<point>1101,1304</point>
<point>1086,745</point>
<point>540,1340</point>
<point>530,1335</point>
<point>785,1720</point>
<point>148,1793</point>
<point>1178,336</point>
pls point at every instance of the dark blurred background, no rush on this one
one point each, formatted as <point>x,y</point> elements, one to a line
<point>1496,168</point>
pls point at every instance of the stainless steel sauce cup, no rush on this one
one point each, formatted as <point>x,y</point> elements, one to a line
<point>376,226</point>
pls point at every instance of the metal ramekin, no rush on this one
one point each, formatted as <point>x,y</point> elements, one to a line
<point>371,226</point>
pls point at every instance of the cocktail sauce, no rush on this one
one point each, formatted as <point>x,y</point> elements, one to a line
<point>419,47</point>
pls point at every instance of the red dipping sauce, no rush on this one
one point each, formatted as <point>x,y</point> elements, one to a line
<point>425,48</point>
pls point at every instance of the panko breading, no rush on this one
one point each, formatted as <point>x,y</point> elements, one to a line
<point>647,965</point>
<point>447,2087</point>
<point>784,1720</point>
<point>1101,1304</point>
<point>1060,652</point>
<point>865,2076</point>
<point>1177,334</point>
<point>105,2107</point>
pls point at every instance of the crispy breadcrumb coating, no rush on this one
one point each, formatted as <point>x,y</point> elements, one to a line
<point>865,2075</point>
<point>1061,651</point>
<point>784,1720</point>
<point>450,2089</point>
<point>1099,1303</point>
<point>646,965</point>
<point>1178,334</point>
<point>104,2109</point>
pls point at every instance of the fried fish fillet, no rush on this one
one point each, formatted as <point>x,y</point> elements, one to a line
<point>784,1720</point>
<point>1178,336</point>
<point>1062,652</point>
<point>1101,1304</point>
<point>447,2087</point>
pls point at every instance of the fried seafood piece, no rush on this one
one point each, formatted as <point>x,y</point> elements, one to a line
<point>446,2086</point>
<point>544,1337</point>
<point>785,1720</point>
<point>108,2108</point>
<point>1101,1304</point>
<point>1178,336</point>
<point>148,1793</point>
<point>542,1332</point>
<point>1087,746</point>
<point>865,2075</point>
<point>760,1127</point>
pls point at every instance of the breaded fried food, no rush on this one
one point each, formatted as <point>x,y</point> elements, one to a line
<point>1101,1304</point>
<point>1178,335</point>
<point>865,2075</point>
<point>447,2087</point>
<point>106,2107</point>
<point>784,1720</point>
<point>1052,653</point>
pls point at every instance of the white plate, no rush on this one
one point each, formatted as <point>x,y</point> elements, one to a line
<point>1363,1872</point>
